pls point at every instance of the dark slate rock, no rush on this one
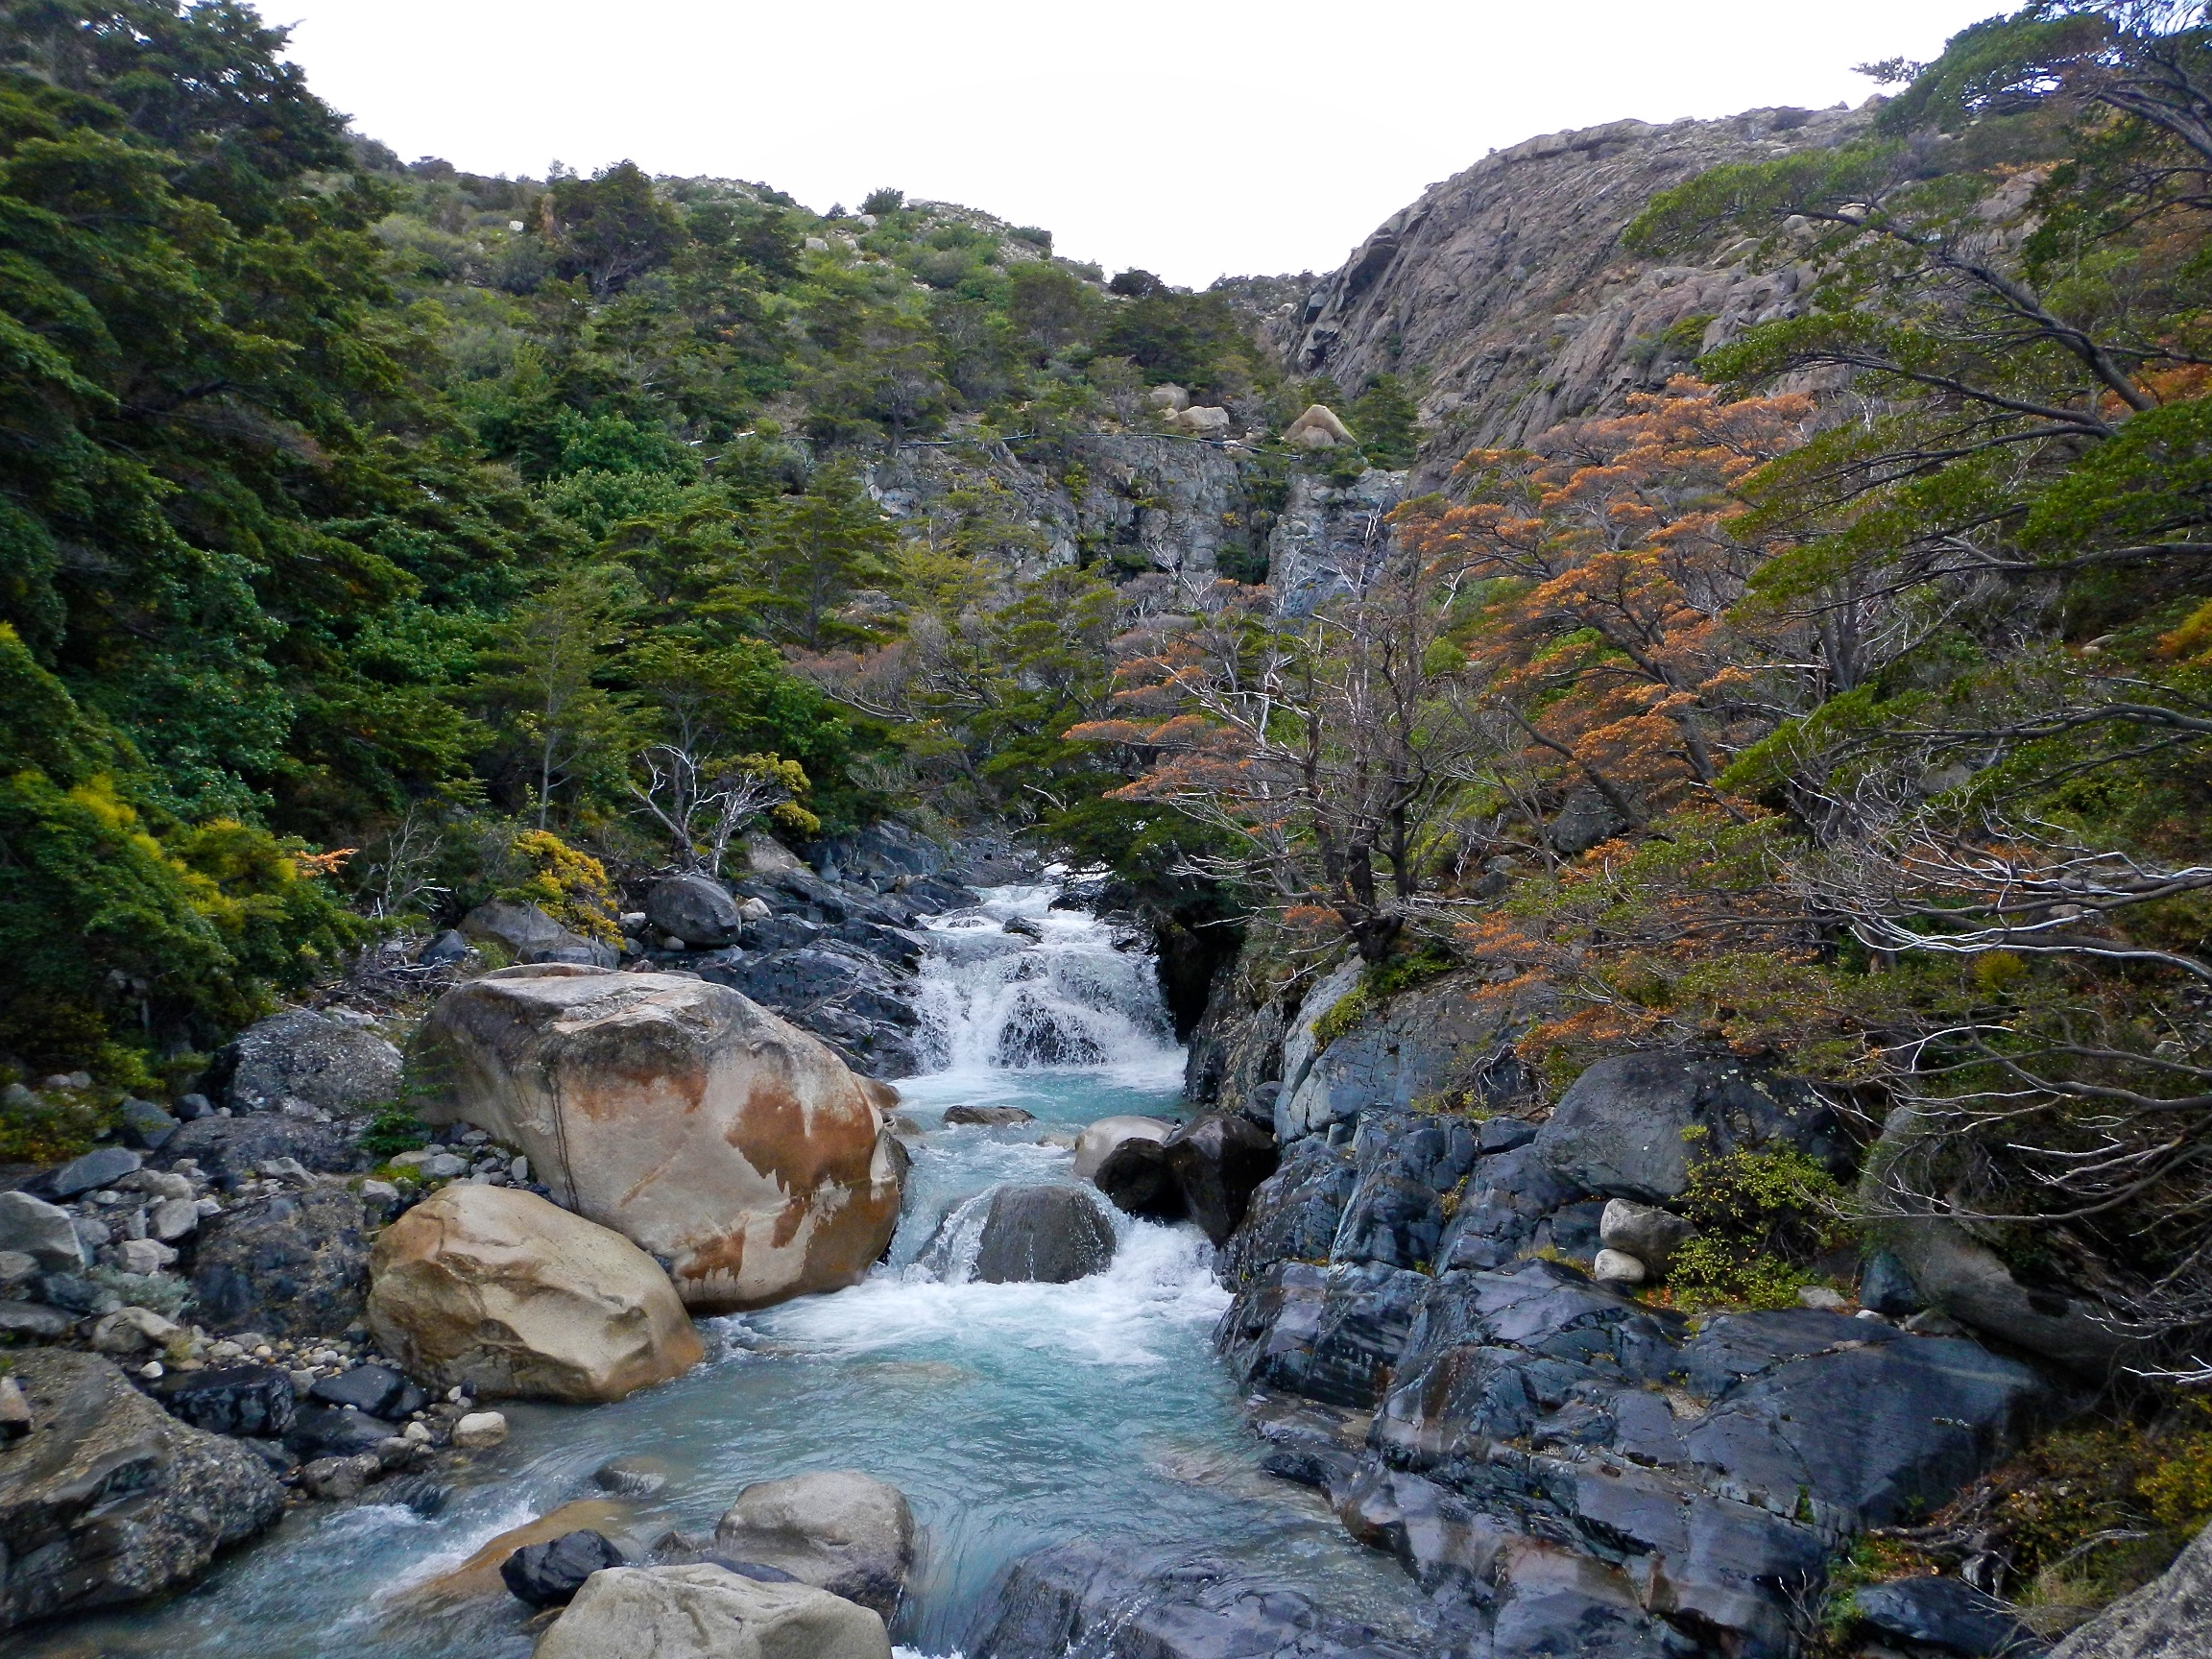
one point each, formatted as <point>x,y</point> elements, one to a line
<point>696,909</point>
<point>1885,1287</point>
<point>1217,1159</point>
<point>1946,1614</point>
<point>1045,1235</point>
<point>883,852</point>
<point>1329,1333</point>
<point>1294,1214</point>
<point>293,1265</point>
<point>1866,1436</point>
<point>1736,1346</point>
<point>102,1166</point>
<point>549,1575</point>
<point>145,1125</point>
<point>1505,1134</point>
<point>227,1148</point>
<point>933,896</point>
<point>1438,1039</point>
<point>327,1431</point>
<point>1507,1196</point>
<point>780,932</point>
<point>1136,1177</point>
<point>376,1389</point>
<point>1618,1131</point>
<point>1162,1603</point>
<point>301,1054</point>
<point>111,1500</point>
<point>1406,1164</point>
<point>251,1399</point>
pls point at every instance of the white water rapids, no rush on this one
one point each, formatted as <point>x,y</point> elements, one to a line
<point>1011,1415</point>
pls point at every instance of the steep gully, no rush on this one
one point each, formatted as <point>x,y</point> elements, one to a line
<point>1012,1415</point>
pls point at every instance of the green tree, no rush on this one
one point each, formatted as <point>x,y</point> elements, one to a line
<point>817,549</point>
<point>542,685</point>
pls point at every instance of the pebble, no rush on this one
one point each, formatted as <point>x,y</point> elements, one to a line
<point>151,1371</point>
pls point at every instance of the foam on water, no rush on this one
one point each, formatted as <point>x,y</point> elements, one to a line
<point>1011,1415</point>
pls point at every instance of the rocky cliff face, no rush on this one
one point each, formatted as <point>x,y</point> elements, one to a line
<point>1504,296</point>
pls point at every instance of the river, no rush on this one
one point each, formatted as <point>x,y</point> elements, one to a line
<point>1011,1415</point>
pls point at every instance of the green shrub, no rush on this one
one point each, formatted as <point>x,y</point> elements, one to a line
<point>395,1130</point>
<point>1348,1011</point>
<point>1761,1216</point>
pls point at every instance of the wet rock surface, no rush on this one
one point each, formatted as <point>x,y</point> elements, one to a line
<point>108,1498</point>
<point>1097,1601</point>
<point>841,1530</point>
<point>1045,1235</point>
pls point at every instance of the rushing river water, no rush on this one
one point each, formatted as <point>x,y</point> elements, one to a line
<point>1011,1415</point>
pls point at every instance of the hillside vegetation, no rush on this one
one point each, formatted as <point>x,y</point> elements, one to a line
<point>377,537</point>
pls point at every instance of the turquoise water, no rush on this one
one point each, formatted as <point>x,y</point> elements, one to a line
<point>1011,1415</point>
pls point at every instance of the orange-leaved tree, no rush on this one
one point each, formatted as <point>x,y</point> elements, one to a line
<point>1607,636</point>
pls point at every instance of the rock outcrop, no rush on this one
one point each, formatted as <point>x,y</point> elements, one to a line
<point>683,1116</point>
<point>501,1291</point>
<point>705,1612</point>
<point>2167,1619</point>
<point>108,1498</point>
<point>1506,290</point>
<point>1162,1603</point>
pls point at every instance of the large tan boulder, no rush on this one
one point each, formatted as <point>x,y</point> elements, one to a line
<point>728,1143</point>
<point>707,1612</point>
<point>1317,428</point>
<point>496,1288</point>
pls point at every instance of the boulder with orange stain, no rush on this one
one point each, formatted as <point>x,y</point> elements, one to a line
<point>730,1144</point>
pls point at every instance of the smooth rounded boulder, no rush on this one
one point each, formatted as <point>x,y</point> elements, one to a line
<point>696,909</point>
<point>497,1289</point>
<point>1098,1140</point>
<point>1042,1233</point>
<point>838,1530</point>
<point>692,1120</point>
<point>702,1612</point>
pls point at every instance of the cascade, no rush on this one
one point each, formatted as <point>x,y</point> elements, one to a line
<point>1057,989</point>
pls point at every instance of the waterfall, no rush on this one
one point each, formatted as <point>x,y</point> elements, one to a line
<point>1058,990</point>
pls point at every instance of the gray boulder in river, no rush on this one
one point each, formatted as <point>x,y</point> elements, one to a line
<point>109,1499</point>
<point>839,1531</point>
<point>703,1612</point>
<point>1041,1234</point>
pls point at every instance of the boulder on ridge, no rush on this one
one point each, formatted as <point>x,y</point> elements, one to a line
<point>498,1290</point>
<point>692,1120</point>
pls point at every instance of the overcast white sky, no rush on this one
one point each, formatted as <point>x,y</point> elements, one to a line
<point>1192,139</point>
